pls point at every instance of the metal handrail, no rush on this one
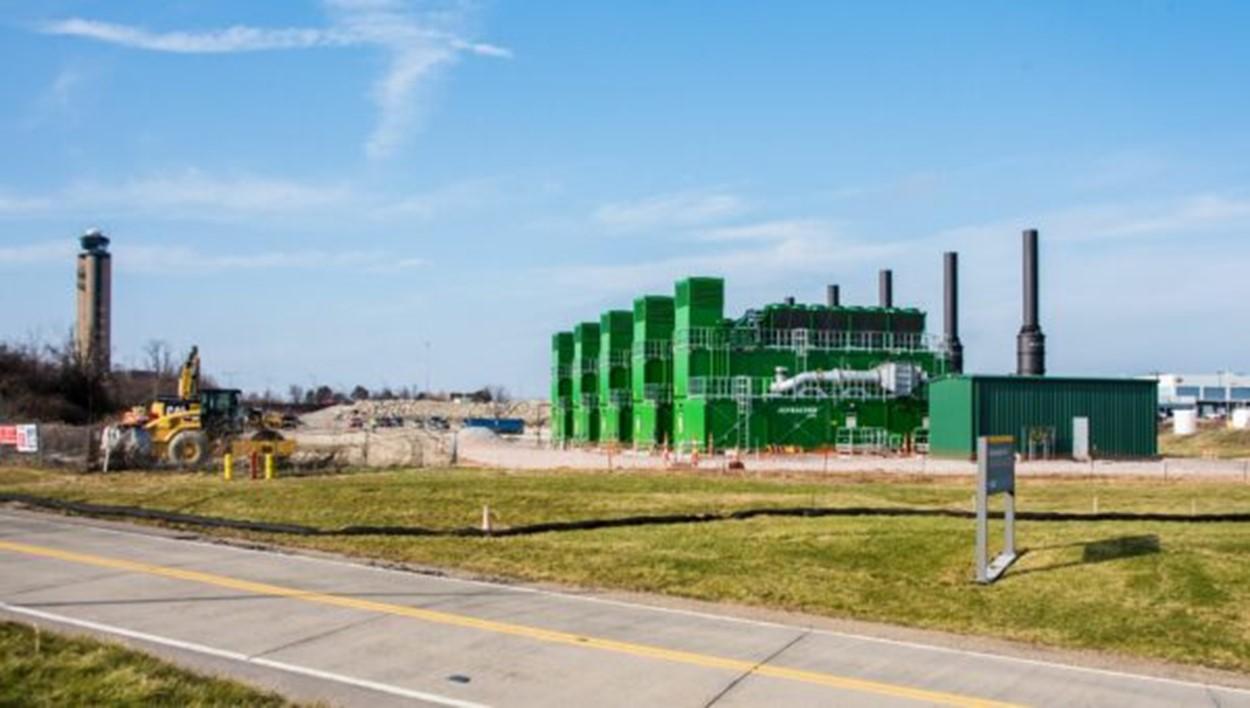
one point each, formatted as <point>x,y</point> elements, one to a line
<point>698,338</point>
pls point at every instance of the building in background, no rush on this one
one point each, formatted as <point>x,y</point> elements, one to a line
<point>95,291</point>
<point>1209,394</point>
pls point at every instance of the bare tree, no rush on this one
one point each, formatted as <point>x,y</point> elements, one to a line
<point>499,399</point>
<point>160,361</point>
<point>296,392</point>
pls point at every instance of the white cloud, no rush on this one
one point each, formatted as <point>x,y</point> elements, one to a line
<point>1203,214</point>
<point>772,252</point>
<point>192,189</point>
<point>13,204</point>
<point>410,263</point>
<point>1203,211</point>
<point>232,39</point>
<point>189,192</point>
<point>194,193</point>
<point>682,209</point>
<point>184,259</point>
<point>40,252</point>
<point>63,87</point>
<point>780,230</point>
<point>418,46</point>
<point>466,194</point>
<point>151,258</point>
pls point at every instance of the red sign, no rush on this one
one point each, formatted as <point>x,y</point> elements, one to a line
<point>8,435</point>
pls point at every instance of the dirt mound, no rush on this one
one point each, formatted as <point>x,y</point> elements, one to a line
<point>410,412</point>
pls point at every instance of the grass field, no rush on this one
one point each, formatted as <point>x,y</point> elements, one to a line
<point>1177,591</point>
<point>42,669</point>
<point>1219,443</point>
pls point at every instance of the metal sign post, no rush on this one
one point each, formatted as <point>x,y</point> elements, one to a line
<point>996,474</point>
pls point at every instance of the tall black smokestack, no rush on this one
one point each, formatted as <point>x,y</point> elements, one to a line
<point>954,348</point>
<point>833,296</point>
<point>1031,343</point>
<point>885,288</point>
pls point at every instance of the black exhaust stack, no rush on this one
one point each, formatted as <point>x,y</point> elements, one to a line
<point>833,296</point>
<point>885,288</point>
<point>1031,343</point>
<point>954,348</point>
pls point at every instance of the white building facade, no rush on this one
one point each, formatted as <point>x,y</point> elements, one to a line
<point>1209,394</point>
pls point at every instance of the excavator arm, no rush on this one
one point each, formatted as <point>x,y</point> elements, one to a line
<point>189,379</point>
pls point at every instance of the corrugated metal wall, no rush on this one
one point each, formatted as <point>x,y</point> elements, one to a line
<point>1121,413</point>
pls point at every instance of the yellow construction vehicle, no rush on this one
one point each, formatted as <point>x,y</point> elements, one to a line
<point>186,429</point>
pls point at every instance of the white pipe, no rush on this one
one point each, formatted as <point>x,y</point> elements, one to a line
<point>871,376</point>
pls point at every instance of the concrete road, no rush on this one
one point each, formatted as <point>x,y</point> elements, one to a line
<point>349,634</point>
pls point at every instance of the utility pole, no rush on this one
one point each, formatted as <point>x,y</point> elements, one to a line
<point>427,368</point>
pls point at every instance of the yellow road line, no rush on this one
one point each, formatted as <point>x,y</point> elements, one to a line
<point>516,630</point>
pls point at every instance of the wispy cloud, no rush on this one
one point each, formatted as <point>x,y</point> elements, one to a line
<point>681,209</point>
<point>195,193</point>
<point>184,259</point>
<point>462,195</point>
<point>39,252</point>
<point>194,189</point>
<point>763,253</point>
<point>1195,214</point>
<point>63,87</point>
<point>779,230</point>
<point>16,204</point>
<point>232,39</point>
<point>418,46</point>
<point>182,193</point>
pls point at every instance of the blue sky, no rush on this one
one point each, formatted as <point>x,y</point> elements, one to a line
<point>311,191</point>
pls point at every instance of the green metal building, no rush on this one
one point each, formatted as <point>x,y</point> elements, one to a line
<point>1040,412</point>
<point>616,421</point>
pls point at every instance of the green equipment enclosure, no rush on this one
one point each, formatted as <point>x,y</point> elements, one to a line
<point>615,396</point>
<point>562,386</point>
<point>1040,412</point>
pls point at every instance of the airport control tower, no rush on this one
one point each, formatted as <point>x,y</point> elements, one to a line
<point>95,290</point>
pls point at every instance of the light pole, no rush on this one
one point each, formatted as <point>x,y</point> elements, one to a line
<point>427,368</point>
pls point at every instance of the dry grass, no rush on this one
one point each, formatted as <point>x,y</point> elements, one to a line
<point>1218,443</point>
<point>42,669</point>
<point>1176,591</point>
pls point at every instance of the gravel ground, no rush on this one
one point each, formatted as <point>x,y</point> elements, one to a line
<point>529,452</point>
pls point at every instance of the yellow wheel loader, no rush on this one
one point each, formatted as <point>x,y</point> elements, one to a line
<point>187,429</point>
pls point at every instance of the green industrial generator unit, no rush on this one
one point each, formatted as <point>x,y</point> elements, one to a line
<point>586,341</point>
<point>1044,415</point>
<point>616,421</point>
<point>677,373</point>
<point>562,386</point>
<point>651,372</point>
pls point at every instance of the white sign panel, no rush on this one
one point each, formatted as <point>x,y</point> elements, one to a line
<point>28,438</point>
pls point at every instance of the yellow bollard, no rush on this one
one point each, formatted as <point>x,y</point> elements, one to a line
<point>269,466</point>
<point>227,466</point>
